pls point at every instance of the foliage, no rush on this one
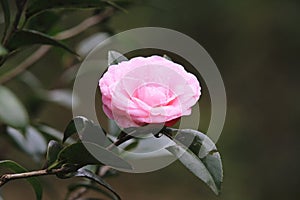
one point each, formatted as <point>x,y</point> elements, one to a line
<point>66,155</point>
<point>13,166</point>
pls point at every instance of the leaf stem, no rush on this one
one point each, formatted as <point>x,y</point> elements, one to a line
<point>119,141</point>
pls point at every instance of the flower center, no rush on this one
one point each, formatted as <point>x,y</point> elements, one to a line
<point>154,94</point>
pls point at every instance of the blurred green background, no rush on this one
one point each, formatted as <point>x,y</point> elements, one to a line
<point>256,46</point>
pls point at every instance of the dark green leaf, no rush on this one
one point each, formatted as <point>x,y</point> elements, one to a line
<point>11,165</point>
<point>12,112</point>
<point>206,150</point>
<point>45,22</point>
<point>29,37</point>
<point>90,175</point>
<point>115,58</point>
<point>76,186</point>
<point>87,131</point>
<point>77,153</point>
<point>6,11</point>
<point>20,4</point>
<point>194,164</point>
<point>209,166</point>
<point>52,152</point>
<point>37,6</point>
<point>214,165</point>
<point>76,125</point>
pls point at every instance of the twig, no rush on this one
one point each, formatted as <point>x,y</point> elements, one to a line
<point>20,6</point>
<point>25,64</point>
<point>40,52</point>
<point>45,172</point>
<point>9,177</point>
<point>87,23</point>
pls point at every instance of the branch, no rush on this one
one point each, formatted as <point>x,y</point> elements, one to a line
<point>9,177</point>
<point>40,52</point>
<point>45,172</point>
<point>87,23</point>
<point>20,8</point>
<point>25,64</point>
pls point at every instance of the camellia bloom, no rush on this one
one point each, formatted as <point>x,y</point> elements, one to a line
<point>148,90</point>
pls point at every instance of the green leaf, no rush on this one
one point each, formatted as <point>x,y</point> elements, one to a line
<point>113,128</point>
<point>198,142</point>
<point>76,186</point>
<point>20,4</point>
<point>61,97</point>
<point>31,141</point>
<point>37,6</point>
<point>49,132</point>
<point>87,131</point>
<point>33,84</point>
<point>78,154</point>
<point>116,5</point>
<point>76,125</point>
<point>205,149</point>
<point>30,37</point>
<point>194,164</point>
<point>95,134</point>
<point>52,152</point>
<point>31,80</point>
<point>201,157</point>
<point>131,146</point>
<point>6,10</point>
<point>115,58</point>
<point>90,175</point>
<point>3,51</point>
<point>13,166</point>
<point>12,111</point>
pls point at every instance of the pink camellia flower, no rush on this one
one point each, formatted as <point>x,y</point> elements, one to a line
<point>148,90</point>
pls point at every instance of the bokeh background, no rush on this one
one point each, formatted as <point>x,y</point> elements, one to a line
<point>256,46</point>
